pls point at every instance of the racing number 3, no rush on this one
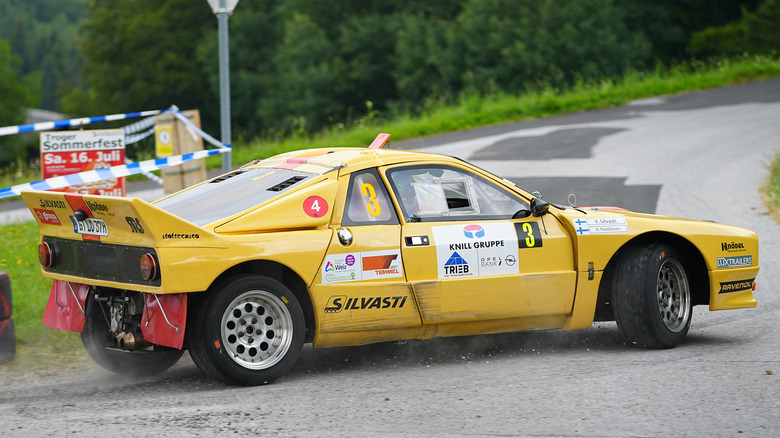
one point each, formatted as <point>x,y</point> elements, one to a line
<point>528,235</point>
<point>373,207</point>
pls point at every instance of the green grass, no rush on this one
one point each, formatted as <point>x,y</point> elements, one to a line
<point>38,348</point>
<point>473,111</point>
<point>43,350</point>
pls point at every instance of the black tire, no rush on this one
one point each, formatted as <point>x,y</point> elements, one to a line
<point>96,336</point>
<point>247,330</point>
<point>651,296</point>
<point>7,340</point>
<point>6,304</point>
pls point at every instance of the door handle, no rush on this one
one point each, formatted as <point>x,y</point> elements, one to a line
<point>417,241</point>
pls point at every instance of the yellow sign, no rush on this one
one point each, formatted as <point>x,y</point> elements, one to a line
<point>163,140</point>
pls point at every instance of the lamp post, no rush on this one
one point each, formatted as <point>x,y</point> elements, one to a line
<point>222,9</point>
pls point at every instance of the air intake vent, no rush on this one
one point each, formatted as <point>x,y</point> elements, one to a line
<point>226,176</point>
<point>284,184</point>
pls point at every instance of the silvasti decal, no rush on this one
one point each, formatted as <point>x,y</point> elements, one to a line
<point>51,203</point>
<point>337,303</point>
<point>736,286</point>
<point>733,262</point>
<point>601,225</point>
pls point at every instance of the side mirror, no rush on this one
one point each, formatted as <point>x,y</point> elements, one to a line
<point>521,214</point>
<point>539,207</point>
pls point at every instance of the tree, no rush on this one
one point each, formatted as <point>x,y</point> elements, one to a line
<point>16,93</point>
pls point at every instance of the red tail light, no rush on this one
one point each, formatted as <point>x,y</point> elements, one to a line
<point>46,254</point>
<point>148,267</point>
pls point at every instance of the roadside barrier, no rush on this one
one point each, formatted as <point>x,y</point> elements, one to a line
<point>89,176</point>
<point>7,331</point>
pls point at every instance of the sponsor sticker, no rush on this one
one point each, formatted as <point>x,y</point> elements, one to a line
<point>47,216</point>
<point>369,265</point>
<point>733,262</point>
<point>476,250</point>
<point>90,226</point>
<point>736,286</point>
<point>601,225</point>
<point>337,303</point>
<point>732,247</point>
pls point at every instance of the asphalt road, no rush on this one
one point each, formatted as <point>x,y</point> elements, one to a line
<point>700,155</point>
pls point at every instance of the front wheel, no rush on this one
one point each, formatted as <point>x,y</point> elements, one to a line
<point>248,330</point>
<point>651,296</point>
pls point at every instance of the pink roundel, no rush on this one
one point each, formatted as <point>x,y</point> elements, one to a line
<point>472,231</point>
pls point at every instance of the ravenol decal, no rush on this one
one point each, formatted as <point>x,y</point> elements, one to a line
<point>337,303</point>
<point>736,286</point>
<point>733,262</point>
<point>473,231</point>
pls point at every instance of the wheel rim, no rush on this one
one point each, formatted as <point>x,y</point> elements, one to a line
<point>257,329</point>
<point>673,295</point>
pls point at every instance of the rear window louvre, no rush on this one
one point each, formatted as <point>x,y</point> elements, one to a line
<point>284,184</point>
<point>226,176</point>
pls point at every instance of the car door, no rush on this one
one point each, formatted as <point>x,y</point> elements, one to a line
<point>467,259</point>
<point>361,285</point>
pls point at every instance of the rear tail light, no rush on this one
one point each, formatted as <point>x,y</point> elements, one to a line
<point>148,267</point>
<point>46,254</point>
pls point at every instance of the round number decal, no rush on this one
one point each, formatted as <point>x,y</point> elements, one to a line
<point>315,206</point>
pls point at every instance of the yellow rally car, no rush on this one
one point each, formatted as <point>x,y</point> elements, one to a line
<point>349,246</point>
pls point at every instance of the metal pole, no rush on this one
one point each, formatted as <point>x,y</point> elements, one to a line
<point>224,84</point>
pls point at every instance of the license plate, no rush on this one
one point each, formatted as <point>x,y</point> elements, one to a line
<point>91,226</point>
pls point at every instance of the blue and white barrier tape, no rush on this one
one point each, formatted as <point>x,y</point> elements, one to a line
<point>89,176</point>
<point>135,138</point>
<point>47,126</point>
<point>138,126</point>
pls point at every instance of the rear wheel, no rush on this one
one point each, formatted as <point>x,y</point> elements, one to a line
<point>249,330</point>
<point>97,339</point>
<point>651,296</point>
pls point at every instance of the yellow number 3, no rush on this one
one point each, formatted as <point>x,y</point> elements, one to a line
<point>374,209</point>
<point>530,241</point>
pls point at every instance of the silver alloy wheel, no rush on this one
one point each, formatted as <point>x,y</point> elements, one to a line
<point>257,329</point>
<point>674,295</point>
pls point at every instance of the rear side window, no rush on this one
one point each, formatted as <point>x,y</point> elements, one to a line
<point>232,193</point>
<point>367,201</point>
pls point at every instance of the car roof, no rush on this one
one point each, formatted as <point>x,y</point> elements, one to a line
<point>323,160</point>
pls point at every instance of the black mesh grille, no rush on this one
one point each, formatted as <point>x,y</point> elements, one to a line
<point>284,184</point>
<point>100,261</point>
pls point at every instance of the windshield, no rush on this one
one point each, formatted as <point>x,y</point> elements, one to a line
<point>231,193</point>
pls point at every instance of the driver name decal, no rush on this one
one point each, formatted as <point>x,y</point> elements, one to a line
<point>476,250</point>
<point>601,225</point>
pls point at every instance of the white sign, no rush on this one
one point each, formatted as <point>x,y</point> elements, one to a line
<point>369,265</point>
<point>476,250</point>
<point>601,225</point>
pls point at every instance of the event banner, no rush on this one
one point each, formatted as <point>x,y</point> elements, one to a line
<point>67,152</point>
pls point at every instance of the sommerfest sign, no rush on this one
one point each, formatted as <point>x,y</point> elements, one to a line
<point>67,152</point>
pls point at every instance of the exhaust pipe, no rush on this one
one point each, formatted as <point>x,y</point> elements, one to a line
<point>131,341</point>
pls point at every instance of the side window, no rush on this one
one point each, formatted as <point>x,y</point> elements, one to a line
<point>435,193</point>
<point>367,201</point>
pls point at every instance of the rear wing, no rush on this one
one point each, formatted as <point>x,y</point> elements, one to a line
<point>127,221</point>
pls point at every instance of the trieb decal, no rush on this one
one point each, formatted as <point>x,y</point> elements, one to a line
<point>736,286</point>
<point>338,303</point>
<point>369,265</point>
<point>476,250</point>
<point>601,225</point>
<point>733,262</point>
